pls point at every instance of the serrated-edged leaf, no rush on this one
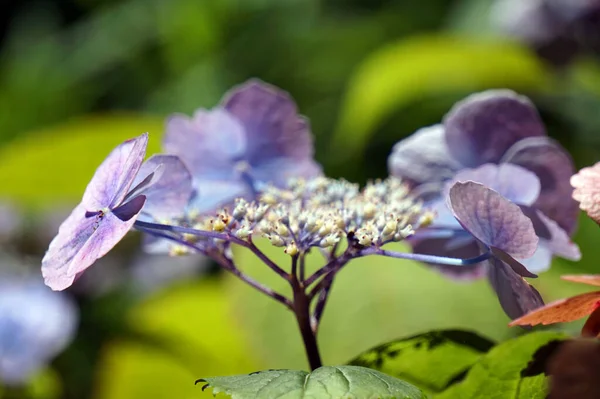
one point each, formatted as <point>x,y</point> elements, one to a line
<point>498,374</point>
<point>449,352</point>
<point>325,382</point>
<point>429,65</point>
<point>44,167</point>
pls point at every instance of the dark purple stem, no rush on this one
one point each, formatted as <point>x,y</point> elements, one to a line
<point>302,311</point>
<point>214,235</point>
<point>226,264</point>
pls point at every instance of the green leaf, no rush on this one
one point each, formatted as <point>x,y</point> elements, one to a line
<point>498,374</point>
<point>373,300</point>
<point>44,167</point>
<point>449,352</point>
<point>324,382</point>
<point>408,70</point>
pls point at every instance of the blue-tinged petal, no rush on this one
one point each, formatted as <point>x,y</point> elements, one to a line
<point>208,144</point>
<point>423,157</point>
<point>559,243</point>
<point>492,219</point>
<point>168,194</point>
<point>271,121</point>
<point>541,259</point>
<point>483,126</point>
<point>279,171</point>
<point>35,325</point>
<point>516,295</point>
<point>114,176</point>
<point>82,240</point>
<point>554,167</point>
<point>513,182</point>
<point>213,194</point>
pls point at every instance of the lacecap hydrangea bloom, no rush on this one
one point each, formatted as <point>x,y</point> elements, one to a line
<point>244,170</point>
<point>112,202</point>
<point>254,137</point>
<point>495,138</point>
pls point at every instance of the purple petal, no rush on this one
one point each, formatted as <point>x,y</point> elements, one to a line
<point>541,259</point>
<point>213,194</point>
<point>79,243</point>
<point>130,209</point>
<point>553,166</point>
<point>492,219</point>
<point>587,190</point>
<point>513,182</point>
<point>114,176</point>
<point>208,144</point>
<point>278,171</point>
<point>169,193</point>
<point>423,157</point>
<point>560,243</point>
<point>516,296</point>
<point>271,121</point>
<point>480,128</point>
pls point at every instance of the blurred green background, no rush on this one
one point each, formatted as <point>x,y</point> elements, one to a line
<point>79,76</point>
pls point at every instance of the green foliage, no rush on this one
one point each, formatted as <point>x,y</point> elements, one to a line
<point>431,361</point>
<point>194,323</point>
<point>411,69</point>
<point>498,374</point>
<point>324,382</point>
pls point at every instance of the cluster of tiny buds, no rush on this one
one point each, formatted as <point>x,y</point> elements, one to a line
<point>319,213</point>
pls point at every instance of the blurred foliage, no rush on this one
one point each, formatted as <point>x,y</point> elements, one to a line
<point>79,76</point>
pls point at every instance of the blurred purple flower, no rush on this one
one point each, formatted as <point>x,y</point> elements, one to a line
<point>36,324</point>
<point>501,136</point>
<point>500,225</point>
<point>557,29</point>
<point>121,190</point>
<point>255,136</point>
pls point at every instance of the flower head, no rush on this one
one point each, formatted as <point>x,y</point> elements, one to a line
<point>570,309</point>
<point>254,137</point>
<point>311,213</point>
<point>495,138</point>
<point>111,204</point>
<point>501,226</point>
<point>35,325</point>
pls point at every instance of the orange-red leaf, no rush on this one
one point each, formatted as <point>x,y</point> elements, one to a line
<point>590,279</point>
<point>561,311</point>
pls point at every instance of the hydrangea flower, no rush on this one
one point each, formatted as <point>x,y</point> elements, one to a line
<point>495,127</point>
<point>495,138</point>
<point>255,136</point>
<point>558,30</point>
<point>121,190</point>
<point>499,226</point>
<point>587,190</point>
<point>36,324</point>
<point>570,309</point>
